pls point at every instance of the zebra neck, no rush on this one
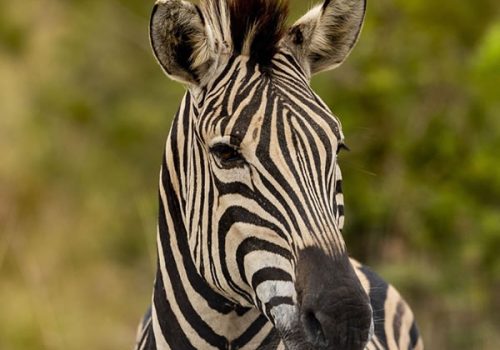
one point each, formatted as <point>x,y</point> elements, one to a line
<point>187,313</point>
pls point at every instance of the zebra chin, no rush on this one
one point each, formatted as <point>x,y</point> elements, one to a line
<point>324,308</point>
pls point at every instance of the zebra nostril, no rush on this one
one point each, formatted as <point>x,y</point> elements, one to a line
<point>313,329</point>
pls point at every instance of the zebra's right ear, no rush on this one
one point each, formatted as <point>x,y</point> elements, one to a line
<point>181,40</point>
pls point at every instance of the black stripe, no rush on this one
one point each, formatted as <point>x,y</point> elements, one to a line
<point>191,315</point>
<point>245,116</point>
<point>151,341</point>
<point>338,186</point>
<point>340,210</point>
<point>291,62</point>
<point>270,274</point>
<point>249,333</point>
<point>397,321</point>
<point>414,335</point>
<point>252,244</point>
<point>264,202</point>
<point>230,216</point>
<point>276,301</point>
<point>146,333</point>
<point>214,300</point>
<point>378,296</point>
<point>169,325</point>
<point>223,74</point>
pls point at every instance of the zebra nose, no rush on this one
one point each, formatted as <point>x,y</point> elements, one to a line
<point>334,309</point>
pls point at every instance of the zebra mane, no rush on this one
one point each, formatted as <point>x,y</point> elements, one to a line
<point>247,27</point>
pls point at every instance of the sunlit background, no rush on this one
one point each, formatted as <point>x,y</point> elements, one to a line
<point>84,113</point>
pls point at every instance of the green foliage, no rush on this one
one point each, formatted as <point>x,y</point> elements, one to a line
<point>85,110</point>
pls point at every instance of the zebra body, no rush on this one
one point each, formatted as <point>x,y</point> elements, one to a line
<point>250,251</point>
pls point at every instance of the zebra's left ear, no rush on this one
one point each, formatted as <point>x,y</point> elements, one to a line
<point>323,38</point>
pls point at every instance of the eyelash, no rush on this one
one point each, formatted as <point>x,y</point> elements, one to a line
<point>342,147</point>
<point>229,156</point>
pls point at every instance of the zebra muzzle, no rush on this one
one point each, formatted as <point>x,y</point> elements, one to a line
<point>334,310</point>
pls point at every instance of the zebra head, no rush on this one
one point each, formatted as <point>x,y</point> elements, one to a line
<point>250,180</point>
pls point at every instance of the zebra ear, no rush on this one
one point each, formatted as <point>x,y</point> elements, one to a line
<point>323,38</point>
<point>180,40</point>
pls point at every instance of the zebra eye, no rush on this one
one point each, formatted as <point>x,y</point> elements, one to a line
<point>228,155</point>
<point>342,147</point>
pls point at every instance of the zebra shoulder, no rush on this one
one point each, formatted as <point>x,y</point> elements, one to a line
<point>394,321</point>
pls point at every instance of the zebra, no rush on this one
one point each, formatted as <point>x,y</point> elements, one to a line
<point>250,251</point>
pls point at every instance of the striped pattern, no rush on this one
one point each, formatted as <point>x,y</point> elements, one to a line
<point>198,303</point>
<point>249,180</point>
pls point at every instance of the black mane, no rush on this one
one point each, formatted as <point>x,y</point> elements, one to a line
<point>268,17</point>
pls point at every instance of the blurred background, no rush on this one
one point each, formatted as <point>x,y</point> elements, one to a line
<point>84,113</point>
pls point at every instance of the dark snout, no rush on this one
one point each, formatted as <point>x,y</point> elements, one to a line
<point>335,311</point>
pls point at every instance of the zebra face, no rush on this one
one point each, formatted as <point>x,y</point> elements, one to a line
<point>268,146</point>
<point>255,157</point>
